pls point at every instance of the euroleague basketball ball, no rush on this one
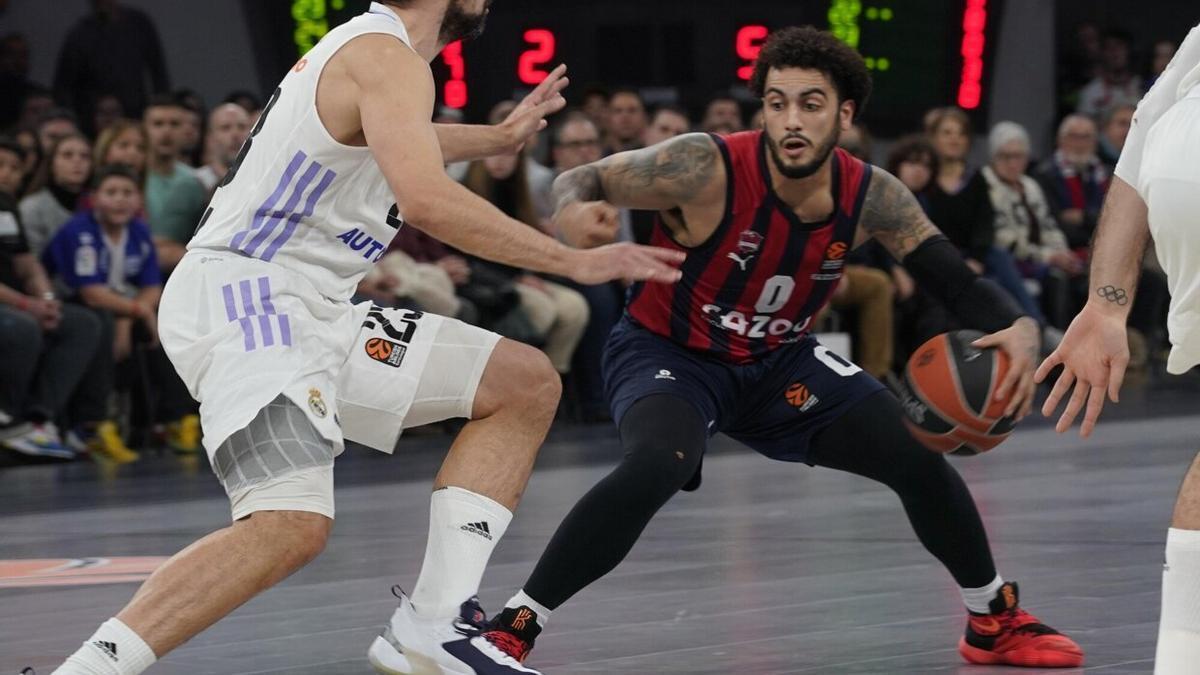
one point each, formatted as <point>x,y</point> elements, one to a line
<point>950,404</point>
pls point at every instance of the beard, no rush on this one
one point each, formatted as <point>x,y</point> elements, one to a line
<point>807,169</point>
<point>457,24</point>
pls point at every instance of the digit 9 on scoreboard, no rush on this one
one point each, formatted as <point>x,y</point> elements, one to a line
<point>747,44</point>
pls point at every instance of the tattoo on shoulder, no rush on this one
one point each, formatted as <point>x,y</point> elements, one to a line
<point>678,168</point>
<point>892,215</point>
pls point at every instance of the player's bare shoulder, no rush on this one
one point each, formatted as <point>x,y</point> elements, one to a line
<point>371,64</point>
<point>892,215</point>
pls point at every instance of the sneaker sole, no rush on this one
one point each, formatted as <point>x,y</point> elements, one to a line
<point>388,660</point>
<point>1026,658</point>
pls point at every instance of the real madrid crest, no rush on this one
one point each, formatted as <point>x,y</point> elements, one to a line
<point>316,403</point>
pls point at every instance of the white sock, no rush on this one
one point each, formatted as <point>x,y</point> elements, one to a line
<point>1179,623</point>
<point>463,529</point>
<point>114,649</point>
<point>522,599</point>
<point>977,599</point>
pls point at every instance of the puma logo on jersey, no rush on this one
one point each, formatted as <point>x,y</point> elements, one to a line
<point>358,240</point>
<point>742,262</point>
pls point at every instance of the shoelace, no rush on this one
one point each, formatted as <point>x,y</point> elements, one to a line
<point>508,643</point>
<point>1020,621</point>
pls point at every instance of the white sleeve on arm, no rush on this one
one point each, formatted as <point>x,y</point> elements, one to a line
<point>1182,73</point>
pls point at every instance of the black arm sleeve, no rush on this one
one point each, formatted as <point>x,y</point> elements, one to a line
<point>979,303</point>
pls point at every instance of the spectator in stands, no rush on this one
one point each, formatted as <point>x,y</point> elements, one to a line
<point>1164,51</point>
<point>626,120</point>
<point>857,142</point>
<point>191,137</point>
<point>37,104</point>
<point>539,178</point>
<point>107,258</point>
<point>958,198</point>
<point>55,124</point>
<point>668,121</point>
<point>114,50</point>
<point>722,115</point>
<point>1116,83</point>
<point>33,158</point>
<point>1026,228</point>
<point>12,167</point>
<point>175,200</point>
<point>577,142</point>
<point>249,101</point>
<point>15,84</point>
<point>1078,63</point>
<point>228,127</point>
<point>57,188</point>
<point>122,143</point>
<point>1114,127</point>
<point>1075,180</point>
<point>108,111</point>
<point>594,103</point>
<point>45,347</point>
<point>558,314</point>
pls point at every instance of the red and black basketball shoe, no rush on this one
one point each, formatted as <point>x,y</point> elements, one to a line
<point>513,631</point>
<point>1010,636</point>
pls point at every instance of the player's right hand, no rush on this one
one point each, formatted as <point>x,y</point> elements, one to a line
<point>1093,353</point>
<point>588,224</point>
<point>627,262</point>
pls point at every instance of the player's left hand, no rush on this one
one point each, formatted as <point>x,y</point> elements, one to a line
<point>1021,341</point>
<point>529,117</point>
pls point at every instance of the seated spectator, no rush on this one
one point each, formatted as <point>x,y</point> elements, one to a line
<point>228,127</point>
<point>249,101</point>
<point>668,121</point>
<point>124,142</point>
<point>56,124</point>
<point>191,137</point>
<point>1160,58</point>
<point>558,314</point>
<point>1116,83</point>
<point>857,142</point>
<point>593,102</point>
<point>107,260</point>
<point>1114,127</point>
<point>108,110</point>
<point>37,104</point>
<point>175,200</point>
<point>722,115</point>
<point>57,189</point>
<point>12,167</point>
<point>626,120</point>
<point>1074,180</point>
<point>47,349</point>
<point>1026,229</point>
<point>33,157</point>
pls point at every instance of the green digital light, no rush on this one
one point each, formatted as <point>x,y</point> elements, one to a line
<point>843,20</point>
<point>312,22</point>
<point>872,13</point>
<point>883,63</point>
<point>885,14</point>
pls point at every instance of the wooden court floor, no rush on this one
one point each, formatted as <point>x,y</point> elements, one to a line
<point>769,568</point>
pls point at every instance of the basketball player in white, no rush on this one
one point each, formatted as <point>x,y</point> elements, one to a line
<point>1155,192</point>
<point>258,321</point>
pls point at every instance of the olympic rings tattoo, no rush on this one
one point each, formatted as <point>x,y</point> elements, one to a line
<point>1113,294</point>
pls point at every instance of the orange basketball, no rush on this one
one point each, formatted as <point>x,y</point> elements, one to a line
<point>950,403</point>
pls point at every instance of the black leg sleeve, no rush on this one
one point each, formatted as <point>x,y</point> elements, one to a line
<point>664,438</point>
<point>871,441</point>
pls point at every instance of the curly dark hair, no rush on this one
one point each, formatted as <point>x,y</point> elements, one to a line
<point>807,47</point>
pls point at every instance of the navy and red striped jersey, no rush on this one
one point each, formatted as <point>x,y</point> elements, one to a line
<point>763,274</point>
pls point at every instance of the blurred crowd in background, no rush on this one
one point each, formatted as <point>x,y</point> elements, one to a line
<point>103,179</point>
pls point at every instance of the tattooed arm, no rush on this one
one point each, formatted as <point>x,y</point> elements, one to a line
<point>1095,350</point>
<point>892,215</point>
<point>684,173</point>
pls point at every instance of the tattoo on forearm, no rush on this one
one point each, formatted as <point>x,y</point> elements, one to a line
<point>1113,294</point>
<point>672,172</point>
<point>892,215</point>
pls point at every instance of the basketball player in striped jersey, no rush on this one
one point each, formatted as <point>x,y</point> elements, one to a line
<point>766,218</point>
<point>1154,192</point>
<point>258,321</point>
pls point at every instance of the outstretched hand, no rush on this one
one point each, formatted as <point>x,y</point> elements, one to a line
<point>529,117</point>
<point>1094,354</point>
<point>627,262</point>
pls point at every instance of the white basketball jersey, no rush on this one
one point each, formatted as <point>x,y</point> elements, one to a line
<point>298,198</point>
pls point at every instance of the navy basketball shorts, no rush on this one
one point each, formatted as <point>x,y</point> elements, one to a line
<point>775,405</point>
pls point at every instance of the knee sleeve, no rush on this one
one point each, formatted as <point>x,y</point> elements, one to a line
<point>664,437</point>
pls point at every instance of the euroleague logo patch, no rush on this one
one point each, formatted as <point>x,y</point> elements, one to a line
<point>799,397</point>
<point>836,251</point>
<point>386,351</point>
